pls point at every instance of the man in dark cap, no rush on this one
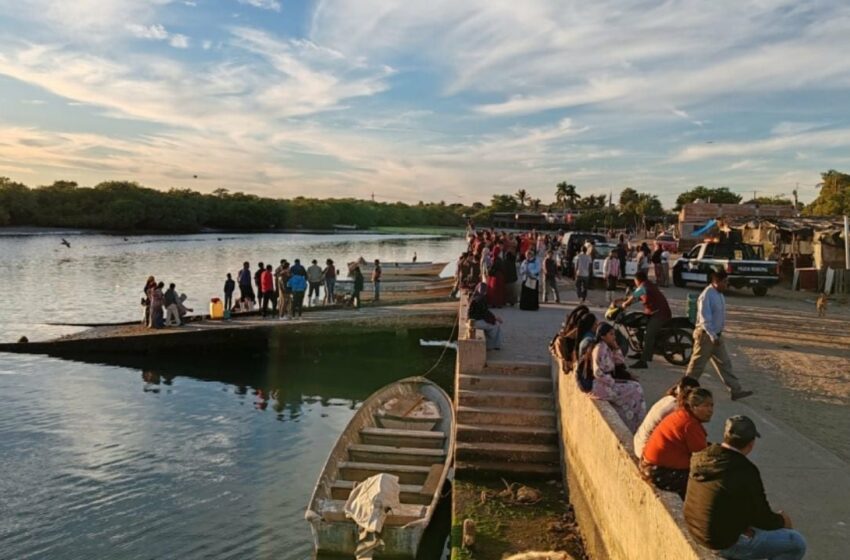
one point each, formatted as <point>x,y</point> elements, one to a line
<point>726,508</point>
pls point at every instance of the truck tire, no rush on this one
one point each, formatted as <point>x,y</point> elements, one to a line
<point>677,279</point>
<point>760,291</point>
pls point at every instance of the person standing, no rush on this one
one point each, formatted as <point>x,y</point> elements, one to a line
<point>244,278</point>
<point>314,279</point>
<point>529,275</point>
<point>358,287</point>
<point>709,343</point>
<point>284,293</point>
<point>376,280</point>
<point>267,289</point>
<point>622,252</point>
<point>229,286</point>
<point>329,274</point>
<point>156,298</point>
<point>726,508</point>
<point>584,268</point>
<point>258,274</point>
<point>611,273</point>
<point>496,280</point>
<point>172,315</point>
<point>511,277</point>
<point>665,266</point>
<point>150,284</point>
<point>414,257</point>
<point>550,273</point>
<point>297,269</point>
<point>657,310</point>
<point>298,284</point>
<point>655,258</point>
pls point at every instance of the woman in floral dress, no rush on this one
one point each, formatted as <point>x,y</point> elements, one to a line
<point>611,382</point>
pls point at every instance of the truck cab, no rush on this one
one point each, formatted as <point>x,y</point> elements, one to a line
<point>745,264</point>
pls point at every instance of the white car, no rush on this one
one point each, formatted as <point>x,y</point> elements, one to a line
<point>602,250</point>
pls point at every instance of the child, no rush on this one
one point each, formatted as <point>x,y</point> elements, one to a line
<point>229,286</point>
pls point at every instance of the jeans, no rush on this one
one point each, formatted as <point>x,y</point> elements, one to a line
<point>314,290</point>
<point>297,303</point>
<point>781,544</point>
<point>581,287</point>
<point>330,283</point>
<point>704,351</point>
<point>492,333</point>
<point>377,284</point>
<point>653,326</point>
<point>551,285</point>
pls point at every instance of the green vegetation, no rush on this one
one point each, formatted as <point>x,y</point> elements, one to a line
<point>126,206</point>
<point>834,197</point>
<point>720,195</point>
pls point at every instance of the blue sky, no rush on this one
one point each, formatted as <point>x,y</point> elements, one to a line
<point>437,100</point>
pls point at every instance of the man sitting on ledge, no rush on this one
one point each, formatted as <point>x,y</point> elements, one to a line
<point>726,508</point>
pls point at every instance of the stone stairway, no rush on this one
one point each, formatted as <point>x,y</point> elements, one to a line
<point>506,422</point>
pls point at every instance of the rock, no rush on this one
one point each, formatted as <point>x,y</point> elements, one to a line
<point>528,495</point>
<point>468,533</point>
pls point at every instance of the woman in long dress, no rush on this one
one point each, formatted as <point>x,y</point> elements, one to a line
<point>529,275</point>
<point>496,280</point>
<point>626,395</point>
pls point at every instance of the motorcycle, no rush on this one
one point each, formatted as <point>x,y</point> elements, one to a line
<point>675,340</point>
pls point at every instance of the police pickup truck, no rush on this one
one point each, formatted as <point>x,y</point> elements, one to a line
<point>745,265</point>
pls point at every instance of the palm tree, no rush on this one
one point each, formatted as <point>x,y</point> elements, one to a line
<point>521,196</point>
<point>535,204</point>
<point>565,193</point>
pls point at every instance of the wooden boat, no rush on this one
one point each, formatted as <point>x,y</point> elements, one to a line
<point>405,429</point>
<point>392,268</point>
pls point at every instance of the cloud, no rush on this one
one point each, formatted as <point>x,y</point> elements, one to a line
<point>155,32</point>
<point>821,139</point>
<point>273,5</point>
<point>179,41</point>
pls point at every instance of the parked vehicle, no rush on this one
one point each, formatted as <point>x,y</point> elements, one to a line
<point>667,242</point>
<point>675,341</point>
<point>601,251</point>
<point>745,264</point>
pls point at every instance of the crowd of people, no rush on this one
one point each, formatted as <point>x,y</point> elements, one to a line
<point>162,308</point>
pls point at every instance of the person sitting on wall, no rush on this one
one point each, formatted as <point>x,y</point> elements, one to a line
<point>660,410</point>
<point>484,319</point>
<point>612,382</point>
<point>726,508</point>
<point>667,455</point>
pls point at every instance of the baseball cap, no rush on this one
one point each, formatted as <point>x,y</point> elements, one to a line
<point>741,428</point>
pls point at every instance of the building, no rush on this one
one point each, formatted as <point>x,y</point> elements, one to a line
<point>695,215</point>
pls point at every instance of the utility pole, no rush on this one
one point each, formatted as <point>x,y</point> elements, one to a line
<point>373,196</point>
<point>796,206</point>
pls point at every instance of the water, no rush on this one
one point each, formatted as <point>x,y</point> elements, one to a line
<point>179,456</point>
<point>100,277</point>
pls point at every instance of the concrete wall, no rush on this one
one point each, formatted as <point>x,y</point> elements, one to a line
<point>471,345</point>
<point>621,516</point>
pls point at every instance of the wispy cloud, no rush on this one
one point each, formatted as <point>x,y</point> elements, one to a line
<point>273,5</point>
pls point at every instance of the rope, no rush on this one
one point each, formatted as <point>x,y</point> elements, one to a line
<point>446,347</point>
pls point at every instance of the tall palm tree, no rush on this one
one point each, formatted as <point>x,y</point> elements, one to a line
<point>572,196</point>
<point>561,194</point>
<point>521,196</point>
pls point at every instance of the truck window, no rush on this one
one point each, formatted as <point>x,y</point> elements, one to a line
<point>694,252</point>
<point>723,251</point>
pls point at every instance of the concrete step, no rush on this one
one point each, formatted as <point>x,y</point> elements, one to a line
<point>507,434</point>
<point>507,452</point>
<point>395,455</point>
<point>496,382</point>
<point>507,399</point>
<point>478,415</point>
<point>524,369</point>
<point>508,471</point>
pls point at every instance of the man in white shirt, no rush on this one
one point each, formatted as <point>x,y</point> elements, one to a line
<point>584,268</point>
<point>708,337</point>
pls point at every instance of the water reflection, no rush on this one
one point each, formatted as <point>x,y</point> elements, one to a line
<point>185,456</point>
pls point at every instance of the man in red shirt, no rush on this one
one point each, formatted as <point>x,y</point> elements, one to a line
<point>667,455</point>
<point>267,287</point>
<point>657,310</point>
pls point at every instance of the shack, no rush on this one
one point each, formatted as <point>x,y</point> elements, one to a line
<point>693,216</point>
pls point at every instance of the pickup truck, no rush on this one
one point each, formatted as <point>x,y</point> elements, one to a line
<point>602,250</point>
<point>745,265</point>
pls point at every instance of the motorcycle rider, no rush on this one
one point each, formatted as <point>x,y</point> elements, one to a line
<point>657,310</point>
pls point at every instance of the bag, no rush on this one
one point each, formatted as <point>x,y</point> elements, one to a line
<point>584,372</point>
<point>530,283</point>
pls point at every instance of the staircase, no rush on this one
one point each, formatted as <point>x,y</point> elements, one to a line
<point>506,422</point>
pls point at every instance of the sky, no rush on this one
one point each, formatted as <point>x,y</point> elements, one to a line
<point>439,100</point>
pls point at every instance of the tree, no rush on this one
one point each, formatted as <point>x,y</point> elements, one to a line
<point>535,204</point>
<point>521,196</point>
<point>770,200</point>
<point>834,196</point>
<point>566,194</point>
<point>720,195</point>
<point>637,206</point>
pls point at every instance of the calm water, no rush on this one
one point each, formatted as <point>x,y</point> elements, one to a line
<point>177,457</point>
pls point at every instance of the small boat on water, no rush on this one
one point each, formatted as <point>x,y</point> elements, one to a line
<point>394,268</point>
<point>405,429</point>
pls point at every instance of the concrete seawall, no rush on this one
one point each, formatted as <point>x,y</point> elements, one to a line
<point>621,516</point>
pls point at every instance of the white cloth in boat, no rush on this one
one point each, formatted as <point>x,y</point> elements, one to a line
<point>370,500</point>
